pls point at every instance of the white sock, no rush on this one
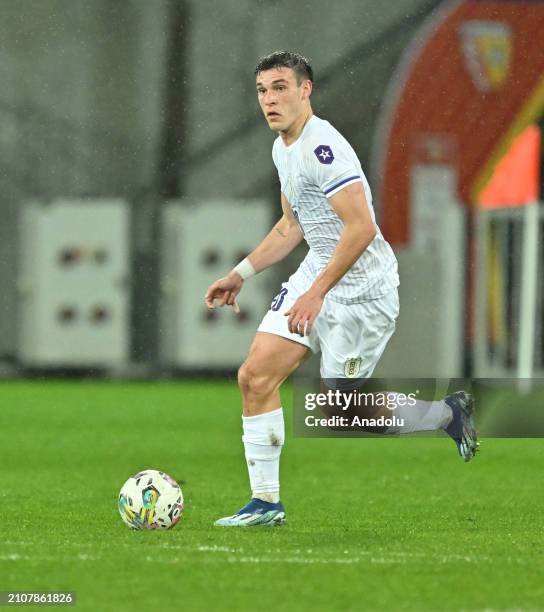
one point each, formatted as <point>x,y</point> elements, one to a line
<point>263,438</point>
<point>423,416</point>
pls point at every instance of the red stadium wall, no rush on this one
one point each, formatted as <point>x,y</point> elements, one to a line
<point>465,90</point>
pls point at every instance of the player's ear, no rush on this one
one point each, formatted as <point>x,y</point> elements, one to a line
<point>307,89</point>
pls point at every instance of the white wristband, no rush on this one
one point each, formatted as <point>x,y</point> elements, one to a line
<point>245,269</point>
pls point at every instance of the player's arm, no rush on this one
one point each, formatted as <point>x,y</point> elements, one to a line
<point>359,230</point>
<point>279,242</point>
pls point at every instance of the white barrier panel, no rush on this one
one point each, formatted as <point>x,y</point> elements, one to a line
<point>200,243</point>
<point>72,284</point>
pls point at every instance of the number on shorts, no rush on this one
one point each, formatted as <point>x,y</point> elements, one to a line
<point>278,300</point>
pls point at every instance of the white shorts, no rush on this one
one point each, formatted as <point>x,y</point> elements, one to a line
<point>351,337</point>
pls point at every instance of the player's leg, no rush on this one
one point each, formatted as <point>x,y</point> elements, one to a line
<point>352,339</point>
<point>371,325</point>
<point>270,361</point>
<point>453,414</point>
<point>273,356</point>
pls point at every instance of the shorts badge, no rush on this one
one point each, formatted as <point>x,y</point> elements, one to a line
<point>352,367</point>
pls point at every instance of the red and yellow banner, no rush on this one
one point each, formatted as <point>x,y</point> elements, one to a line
<point>473,86</point>
<point>516,179</point>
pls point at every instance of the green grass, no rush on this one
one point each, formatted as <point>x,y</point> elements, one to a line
<point>374,524</point>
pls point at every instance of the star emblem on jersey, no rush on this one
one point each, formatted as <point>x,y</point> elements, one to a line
<point>324,154</point>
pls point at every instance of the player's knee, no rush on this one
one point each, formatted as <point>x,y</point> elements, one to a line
<point>255,382</point>
<point>244,376</point>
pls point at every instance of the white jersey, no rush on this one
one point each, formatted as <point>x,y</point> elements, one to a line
<point>317,165</point>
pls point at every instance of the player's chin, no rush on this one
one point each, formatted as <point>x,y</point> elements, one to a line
<point>274,124</point>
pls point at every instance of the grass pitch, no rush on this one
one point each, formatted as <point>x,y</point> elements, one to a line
<point>373,524</point>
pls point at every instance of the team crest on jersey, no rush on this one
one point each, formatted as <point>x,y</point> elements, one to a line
<point>324,154</point>
<point>352,367</point>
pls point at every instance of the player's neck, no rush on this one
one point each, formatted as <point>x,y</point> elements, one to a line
<point>295,130</point>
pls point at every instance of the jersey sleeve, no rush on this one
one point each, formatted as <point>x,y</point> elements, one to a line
<point>331,166</point>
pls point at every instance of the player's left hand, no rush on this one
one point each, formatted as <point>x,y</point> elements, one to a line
<point>303,313</point>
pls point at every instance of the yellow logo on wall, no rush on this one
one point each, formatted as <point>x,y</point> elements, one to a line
<point>487,50</point>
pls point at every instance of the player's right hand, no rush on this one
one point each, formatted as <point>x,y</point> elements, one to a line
<point>225,291</point>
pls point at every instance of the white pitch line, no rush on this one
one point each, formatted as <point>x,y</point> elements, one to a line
<point>17,557</point>
<point>275,555</point>
<point>214,549</point>
<point>234,558</point>
<point>295,560</point>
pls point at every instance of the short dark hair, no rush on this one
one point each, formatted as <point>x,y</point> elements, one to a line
<point>286,59</point>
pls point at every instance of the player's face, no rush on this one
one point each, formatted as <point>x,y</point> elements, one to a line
<point>282,99</point>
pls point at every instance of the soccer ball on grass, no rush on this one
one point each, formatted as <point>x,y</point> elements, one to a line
<point>150,500</point>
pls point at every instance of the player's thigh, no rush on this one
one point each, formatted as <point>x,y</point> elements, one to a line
<point>273,358</point>
<point>275,322</point>
<point>354,337</point>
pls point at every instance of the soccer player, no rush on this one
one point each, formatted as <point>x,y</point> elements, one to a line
<point>342,300</point>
